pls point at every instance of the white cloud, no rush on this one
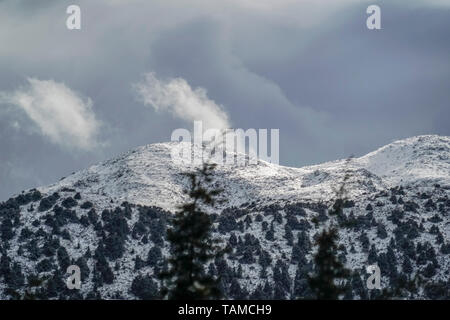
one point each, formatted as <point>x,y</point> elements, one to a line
<point>177,97</point>
<point>59,113</point>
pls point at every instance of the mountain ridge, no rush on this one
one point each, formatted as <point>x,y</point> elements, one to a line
<point>148,170</point>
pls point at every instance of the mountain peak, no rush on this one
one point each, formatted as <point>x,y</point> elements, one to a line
<point>415,159</point>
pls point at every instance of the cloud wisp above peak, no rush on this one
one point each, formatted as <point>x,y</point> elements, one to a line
<point>178,98</point>
<point>59,113</point>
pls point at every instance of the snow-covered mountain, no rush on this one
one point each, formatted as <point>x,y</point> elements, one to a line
<point>110,219</point>
<point>148,176</point>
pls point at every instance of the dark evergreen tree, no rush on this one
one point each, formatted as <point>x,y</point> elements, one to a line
<point>154,257</point>
<point>381,231</point>
<point>328,269</point>
<point>6,230</point>
<point>267,291</point>
<point>192,247</point>
<point>281,280</point>
<point>329,273</point>
<point>406,266</point>
<point>138,263</point>
<point>236,291</point>
<point>63,258</point>
<point>233,240</point>
<point>102,271</point>
<point>264,259</point>
<point>357,285</point>
<point>372,258</point>
<point>288,235</point>
<point>364,241</point>
<point>144,288</point>
<point>301,286</point>
<point>270,234</point>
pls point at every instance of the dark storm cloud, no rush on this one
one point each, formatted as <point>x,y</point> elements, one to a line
<point>310,68</point>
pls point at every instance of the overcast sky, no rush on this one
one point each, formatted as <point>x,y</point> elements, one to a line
<point>137,70</point>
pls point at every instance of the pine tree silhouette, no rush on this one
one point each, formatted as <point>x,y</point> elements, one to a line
<point>328,268</point>
<point>192,247</point>
<point>330,274</point>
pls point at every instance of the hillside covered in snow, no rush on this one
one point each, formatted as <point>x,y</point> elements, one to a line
<point>110,219</point>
